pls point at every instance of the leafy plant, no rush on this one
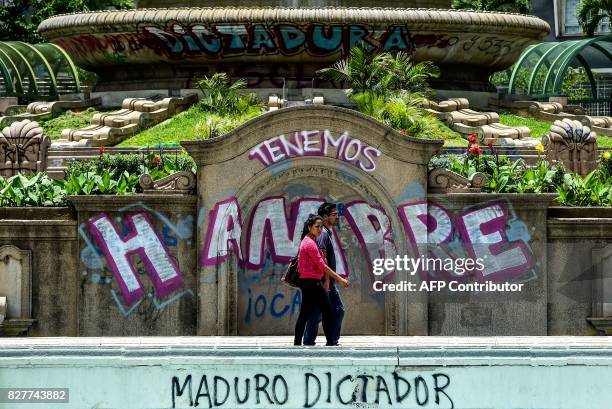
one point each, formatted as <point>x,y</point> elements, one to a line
<point>19,19</point>
<point>593,12</point>
<point>506,176</point>
<point>36,190</point>
<point>575,83</point>
<point>222,97</point>
<point>118,165</point>
<point>382,73</point>
<point>388,87</point>
<point>592,190</point>
<point>513,6</point>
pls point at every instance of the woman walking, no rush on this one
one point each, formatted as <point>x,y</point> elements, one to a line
<point>314,279</point>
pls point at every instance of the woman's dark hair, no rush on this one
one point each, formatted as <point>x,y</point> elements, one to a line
<point>312,219</point>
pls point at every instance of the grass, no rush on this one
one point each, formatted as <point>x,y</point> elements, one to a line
<point>53,127</point>
<point>538,128</point>
<point>189,125</point>
<point>604,141</point>
<point>541,128</point>
<point>194,124</point>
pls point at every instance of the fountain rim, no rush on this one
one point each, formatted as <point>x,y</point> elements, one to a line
<point>105,21</point>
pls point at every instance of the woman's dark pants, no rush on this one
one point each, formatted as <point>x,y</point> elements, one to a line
<point>313,295</point>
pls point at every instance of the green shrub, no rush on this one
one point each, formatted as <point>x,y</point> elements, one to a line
<point>506,176</point>
<point>222,97</point>
<point>35,190</point>
<point>105,175</point>
<point>136,164</point>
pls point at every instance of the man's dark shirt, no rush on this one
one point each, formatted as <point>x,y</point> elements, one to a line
<point>324,241</point>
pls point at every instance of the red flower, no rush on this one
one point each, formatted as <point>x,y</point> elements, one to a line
<point>475,149</point>
<point>472,138</point>
<point>402,131</point>
<point>155,161</point>
<point>102,149</point>
<point>490,142</point>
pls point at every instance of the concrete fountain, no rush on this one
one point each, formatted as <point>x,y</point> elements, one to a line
<point>273,43</point>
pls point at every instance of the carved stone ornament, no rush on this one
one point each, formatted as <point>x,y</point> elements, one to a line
<point>572,144</point>
<point>16,289</point>
<point>2,309</point>
<point>602,290</point>
<point>177,183</point>
<point>23,148</point>
<point>445,181</point>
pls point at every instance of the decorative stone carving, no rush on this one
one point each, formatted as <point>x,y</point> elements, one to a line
<point>15,285</point>
<point>445,181</point>
<point>176,183</point>
<point>471,118</point>
<point>23,148</point>
<point>61,106</point>
<point>109,129</point>
<point>466,121</point>
<point>45,109</point>
<point>2,310</point>
<point>602,289</point>
<point>573,144</point>
<point>601,125</point>
<point>449,105</point>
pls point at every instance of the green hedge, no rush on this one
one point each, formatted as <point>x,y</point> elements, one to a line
<point>105,175</point>
<point>506,176</point>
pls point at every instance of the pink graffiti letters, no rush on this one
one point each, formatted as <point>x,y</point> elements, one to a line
<point>224,230</point>
<point>142,239</point>
<point>483,227</point>
<point>431,230</point>
<point>270,223</point>
<point>429,227</point>
<point>373,230</point>
<point>316,143</point>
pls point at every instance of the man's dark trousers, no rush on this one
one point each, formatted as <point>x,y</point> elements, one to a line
<point>312,327</point>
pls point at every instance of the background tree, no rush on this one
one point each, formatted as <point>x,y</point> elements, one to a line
<point>513,6</point>
<point>20,18</point>
<point>592,12</point>
<point>391,88</point>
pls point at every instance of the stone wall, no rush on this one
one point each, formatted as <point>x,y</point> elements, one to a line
<point>211,263</point>
<point>49,236</point>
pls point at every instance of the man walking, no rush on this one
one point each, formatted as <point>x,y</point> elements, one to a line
<point>329,213</point>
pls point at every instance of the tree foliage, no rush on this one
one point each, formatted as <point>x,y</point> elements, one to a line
<point>382,73</point>
<point>20,18</point>
<point>512,6</point>
<point>388,87</point>
<point>592,12</point>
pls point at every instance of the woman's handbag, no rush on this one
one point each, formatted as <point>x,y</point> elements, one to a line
<point>292,276</point>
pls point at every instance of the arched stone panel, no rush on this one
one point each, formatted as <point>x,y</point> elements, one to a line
<point>273,171</point>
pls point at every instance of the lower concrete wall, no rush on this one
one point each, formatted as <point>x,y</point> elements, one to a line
<point>76,291</point>
<point>572,278</point>
<point>49,238</point>
<point>155,292</point>
<point>416,372</point>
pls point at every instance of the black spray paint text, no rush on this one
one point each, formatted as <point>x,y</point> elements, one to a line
<point>312,390</point>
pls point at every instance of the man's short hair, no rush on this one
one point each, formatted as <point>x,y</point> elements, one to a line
<point>326,208</point>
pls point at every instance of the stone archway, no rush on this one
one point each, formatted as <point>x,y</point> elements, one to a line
<point>256,185</point>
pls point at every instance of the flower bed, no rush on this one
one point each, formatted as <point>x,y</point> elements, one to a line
<point>506,176</point>
<point>110,175</point>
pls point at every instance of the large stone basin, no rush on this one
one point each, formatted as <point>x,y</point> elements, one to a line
<point>166,48</point>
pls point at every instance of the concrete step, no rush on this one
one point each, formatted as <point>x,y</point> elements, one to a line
<point>365,371</point>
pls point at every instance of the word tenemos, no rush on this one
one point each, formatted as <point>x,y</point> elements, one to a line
<point>316,143</point>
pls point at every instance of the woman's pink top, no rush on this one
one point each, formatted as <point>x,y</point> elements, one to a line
<point>310,260</point>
